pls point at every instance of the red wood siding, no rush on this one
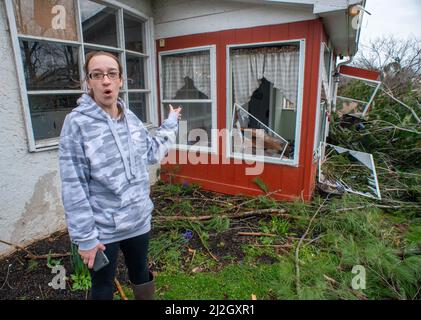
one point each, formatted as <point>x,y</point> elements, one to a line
<point>291,182</point>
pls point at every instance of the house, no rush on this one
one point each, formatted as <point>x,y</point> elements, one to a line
<point>254,79</point>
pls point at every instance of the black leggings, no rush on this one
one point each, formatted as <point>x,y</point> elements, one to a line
<point>135,251</point>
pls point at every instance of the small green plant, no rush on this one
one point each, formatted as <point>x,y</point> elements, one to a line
<point>81,282</point>
<point>266,202</point>
<point>81,278</point>
<point>174,189</point>
<point>259,182</point>
<point>51,263</point>
<point>279,226</point>
<point>276,226</point>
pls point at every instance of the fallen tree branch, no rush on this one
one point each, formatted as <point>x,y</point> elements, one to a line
<point>238,207</point>
<point>273,212</point>
<point>297,249</point>
<point>256,234</point>
<point>32,256</point>
<point>414,114</point>
<point>281,247</point>
<point>287,246</point>
<point>46,256</point>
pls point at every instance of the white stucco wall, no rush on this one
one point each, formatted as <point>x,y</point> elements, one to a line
<point>182,17</point>
<point>30,193</point>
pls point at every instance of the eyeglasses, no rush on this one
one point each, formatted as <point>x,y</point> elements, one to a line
<point>114,75</point>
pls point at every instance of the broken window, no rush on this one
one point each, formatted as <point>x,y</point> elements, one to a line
<point>186,80</point>
<point>265,82</point>
<point>325,99</point>
<point>46,18</point>
<point>355,95</point>
<point>251,136</point>
<point>347,170</point>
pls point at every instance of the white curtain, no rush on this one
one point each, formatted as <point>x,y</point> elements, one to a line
<point>179,68</point>
<point>277,65</point>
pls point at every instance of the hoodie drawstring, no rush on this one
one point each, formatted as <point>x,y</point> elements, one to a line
<point>131,151</point>
<point>129,169</point>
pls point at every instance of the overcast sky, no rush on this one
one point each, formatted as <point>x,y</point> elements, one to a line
<point>401,18</point>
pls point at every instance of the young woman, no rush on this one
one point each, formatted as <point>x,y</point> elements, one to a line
<point>103,154</point>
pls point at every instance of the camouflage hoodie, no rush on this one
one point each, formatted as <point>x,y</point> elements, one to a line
<point>105,181</point>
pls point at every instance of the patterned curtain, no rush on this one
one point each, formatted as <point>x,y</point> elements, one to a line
<point>278,65</point>
<point>179,69</point>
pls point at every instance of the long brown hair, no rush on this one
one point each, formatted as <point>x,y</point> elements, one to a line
<point>92,54</point>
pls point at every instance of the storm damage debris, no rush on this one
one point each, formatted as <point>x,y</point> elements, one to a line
<point>345,170</point>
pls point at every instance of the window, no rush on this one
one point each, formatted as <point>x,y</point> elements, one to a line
<point>187,79</point>
<point>265,93</point>
<point>51,38</point>
<point>324,100</point>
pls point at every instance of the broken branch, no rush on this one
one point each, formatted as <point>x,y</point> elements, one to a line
<point>273,212</point>
<point>120,289</point>
<point>256,234</point>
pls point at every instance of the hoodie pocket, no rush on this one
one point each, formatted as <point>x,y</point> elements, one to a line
<point>131,216</point>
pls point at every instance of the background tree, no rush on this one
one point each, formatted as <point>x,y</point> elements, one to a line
<point>398,61</point>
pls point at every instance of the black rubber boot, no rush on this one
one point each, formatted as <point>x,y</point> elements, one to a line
<point>145,291</point>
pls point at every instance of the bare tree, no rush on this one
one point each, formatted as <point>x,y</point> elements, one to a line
<point>398,61</point>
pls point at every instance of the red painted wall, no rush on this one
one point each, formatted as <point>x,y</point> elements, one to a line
<point>289,182</point>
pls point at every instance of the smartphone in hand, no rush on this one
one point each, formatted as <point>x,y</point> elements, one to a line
<point>101,260</point>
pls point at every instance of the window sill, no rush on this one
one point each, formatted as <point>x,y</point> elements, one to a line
<point>53,143</point>
<point>285,162</point>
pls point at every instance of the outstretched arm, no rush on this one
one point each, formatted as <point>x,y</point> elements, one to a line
<point>165,136</point>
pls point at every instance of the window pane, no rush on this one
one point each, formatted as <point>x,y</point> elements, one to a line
<point>99,24</point>
<point>265,85</point>
<point>48,113</point>
<point>135,72</point>
<point>186,76</point>
<point>50,65</point>
<point>133,33</point>
<point>199,119</point>
<point>46,18</point>
<point>137,103</point>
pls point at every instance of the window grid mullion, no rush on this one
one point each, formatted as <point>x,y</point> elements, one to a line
<point>82,46</point>
<point>46,144</point>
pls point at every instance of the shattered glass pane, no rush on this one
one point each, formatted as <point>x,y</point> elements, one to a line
<point>257,140</point>
<point>355,95</point>
<point>348,170</point>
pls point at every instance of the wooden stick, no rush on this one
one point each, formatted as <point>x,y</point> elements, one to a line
<point>120,289</point>
<point>30,254</point>
<point>253,199</point>
<point>272,212</point>
<point>256,234</point>
<point>288,246</point>
<point>46,256</point>
<point>281,247</point>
